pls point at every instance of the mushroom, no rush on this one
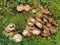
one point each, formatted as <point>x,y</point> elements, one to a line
<point>46,33</point>
<point>29,27</point>
<point>43,10</point>
<point>51,19</point>
<point>10,27</point>
<point>52,30</point>
<point>30,24</point>
<point>38,24</point>
<point>54,23</point>
<point>48,25</point>
<point>36,32</point>
<point>10,34</point>
<point>26,33</point>
<point>17,37</point>
<point>34,10</point>
<point>31,20</point>
<point>45,20</point>
<point>45,27</point>
<point>46,11</point>
<point>38,15</point>
<point>45,16</point>
<point>27,8</point>
<point>39,20</point>
<point>20,7</point>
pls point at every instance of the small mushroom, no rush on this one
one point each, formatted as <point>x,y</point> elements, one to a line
<point>10,27</point>
<point>48,25</point>
<point>54,23</point>
<point>52,30</point>
<point>46,11</point>
<point>20,7</point>
<point>27,8</point>
<point>45,20</point>
<point>50,19</point>
<point>30,24</point>
<point>31,20</point>
<point>46,33</point>
<point>29,27</point>
<point>10,34</point>
<point>38,15</point>
<point>38,24</point>
<point>45,27</point>
<point>39,20</point>
<point>45,16</point>
<point>36,32</point>
<point>17,37</point>
<point>26,33</point>
<point>34,10</point>
<point>43,10</point>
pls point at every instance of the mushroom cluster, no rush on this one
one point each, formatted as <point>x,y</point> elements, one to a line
<point>9,32</point>
<point>22,7</point>
<point>43,10</point>
<point>40,25</point>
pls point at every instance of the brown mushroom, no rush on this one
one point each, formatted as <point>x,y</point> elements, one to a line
<point>45,20</point>
<point>48,25</point>
<point>43,10</point>
<point>54,23</point>
<point>38,15</point>
<point>29,27</point>
<point>45,16</point>
<point>45,27</point>
<point>50,19</point>
<point>31,20</point>
<point>38,24</point>
<point>30,24</point>
<point>46,33</point>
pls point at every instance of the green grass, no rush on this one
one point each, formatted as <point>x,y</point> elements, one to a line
<point>10,15</point>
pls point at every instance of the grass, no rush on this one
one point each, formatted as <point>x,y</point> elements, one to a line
<point>8,14</point>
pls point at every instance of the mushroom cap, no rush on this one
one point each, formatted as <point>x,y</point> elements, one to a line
<point>31,20</point>
<point>36,32</point>
<point>29,27</point>
<point>26,33</point>
<point>38,15</point>
<point>30,23</point>
<point>46,33</point>
<point>34,10</point>
<point>27,8</point>
<point>17,37</point>
<point>10,27</point>
<point>38,24</point>
<point>20,7</point>
<point>43,10</point>
<point>10,34</point>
